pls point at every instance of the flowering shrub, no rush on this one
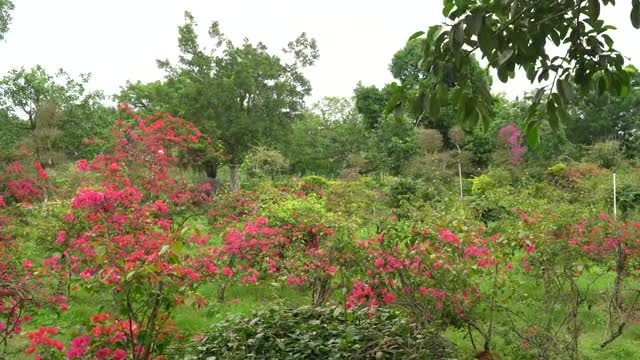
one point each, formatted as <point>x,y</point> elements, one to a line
<point>294,247</point>
<point>20,290</point>
<point>561,254</point>
<point>246,253</point>
<point>429,272</point>
<point>121,240</point>
<point>107,338</point>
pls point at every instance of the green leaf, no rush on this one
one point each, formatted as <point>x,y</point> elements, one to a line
<point>566,90</point>
<point>443,92</point>
<point>457,37</point>
<point>483,110</point>
<point>563,114</point>
<point>504,56</point>
<point>398,111</point>
<point>533,138</point>
<point>189,300</point>
<point>552,115</point>
<point>131,274</point>
<point>416,35</point>
<point>434,106</point>
<point>503,74</point>
<point>447,7</point>
<point>594,9</point>
<point>432,34</point>
<point>177,247</point>
<point>555,37</point>
<point>474,117</point>
<point>625,82</point>
<point>635,14</point>
<point>474,23</point>
<point>100,250</point>
<point>608,40</point>
<point>486,40</point>
<point>544,75</point>
<point>514,9</point>
<point>601,84</point>
<point>531,73</point>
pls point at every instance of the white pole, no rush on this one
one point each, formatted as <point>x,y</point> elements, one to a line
<point>615,199</point>
<point>460,176</point>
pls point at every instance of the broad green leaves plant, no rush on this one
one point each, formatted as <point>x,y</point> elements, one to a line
<point>514,34</point>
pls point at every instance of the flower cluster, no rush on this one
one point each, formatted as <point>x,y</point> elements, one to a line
<point>511,136</point>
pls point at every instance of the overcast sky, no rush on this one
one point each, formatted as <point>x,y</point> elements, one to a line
<point>119,40</point>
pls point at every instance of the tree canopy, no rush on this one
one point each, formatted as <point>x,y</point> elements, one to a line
<point>242,95</point>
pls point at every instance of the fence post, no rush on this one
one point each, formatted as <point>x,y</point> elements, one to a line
<point>615,199</point>
<point>460,176</point>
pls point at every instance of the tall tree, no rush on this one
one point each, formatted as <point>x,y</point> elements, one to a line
<point>334,110</point>
<point>240,94</point>
<point>13,132</point>
<point>322,141</point>
<point>86,129</point>
<point>23,90</point>
<point>393,145</point>
<point>512,34</point>
<point>371,103</point>
<point>597,117</point>
<point>45,141</point>
<point>151,97</point>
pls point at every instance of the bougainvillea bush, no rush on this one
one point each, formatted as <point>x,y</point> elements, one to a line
<point>21,291</point>
<point>120,241</point>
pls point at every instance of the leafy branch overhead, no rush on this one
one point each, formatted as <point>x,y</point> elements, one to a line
<point>6,6</point>
<point>524,34</point>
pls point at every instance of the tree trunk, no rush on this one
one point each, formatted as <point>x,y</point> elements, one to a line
<point>235,177</point>
<point>222,288</point>
<point>575,329</point>
<point>211,169</point>
<point>320,291</point>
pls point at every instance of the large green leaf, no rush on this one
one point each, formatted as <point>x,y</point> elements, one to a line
<point>565,89</point>
<point>552,115</point>
<point>635,14</point>
<point>504,56</point>
<point>594,9</point>
<point>415,35</point>
<point>474,23</point>
<point>533,137</point>
<point>447,6</point>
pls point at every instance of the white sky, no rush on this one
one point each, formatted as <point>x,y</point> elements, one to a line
<point>119,40</point>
